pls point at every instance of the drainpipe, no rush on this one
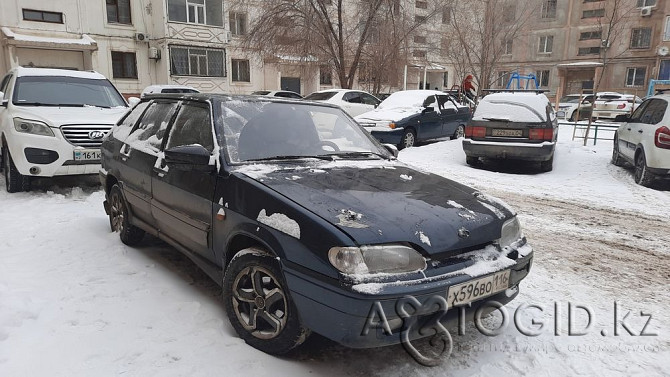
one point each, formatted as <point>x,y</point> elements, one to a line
<point>404,82</point>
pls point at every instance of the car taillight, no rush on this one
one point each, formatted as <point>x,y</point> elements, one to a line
<point>621,106</point>
<point>662,138</point>
<point>541,134</point>
<point>471,131</point>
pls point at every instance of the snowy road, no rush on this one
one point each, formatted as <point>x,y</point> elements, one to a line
<point>74,301</point>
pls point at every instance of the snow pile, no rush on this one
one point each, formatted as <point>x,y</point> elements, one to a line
<point>405,177</point>
<point>280,222</point>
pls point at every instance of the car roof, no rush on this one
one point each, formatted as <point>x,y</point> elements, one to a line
<point>27,71</point>
<point>222,97</point>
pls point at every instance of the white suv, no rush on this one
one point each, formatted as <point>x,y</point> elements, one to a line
<point>644,141</point>
<point>52,122</point>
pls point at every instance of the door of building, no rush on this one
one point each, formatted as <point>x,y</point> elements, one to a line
<point>291,83</point>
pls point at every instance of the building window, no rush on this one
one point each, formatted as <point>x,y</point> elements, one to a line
<point>325,75</point>
<point>445,79</point>
<point>590,35</point>
<point>208,12</point>
<point>42,16</point>
<point>589,51</point>
<point>509,13</point>
<point>419,19</point>
<point>419,39</point>
<point>124,65</point>
<point>238,23</point>
<point>646,3</point>
<point>421,4</point>
<point>666,34</point>
<point>546,44</point>
<point>640,38</point>
<point>507,49</point>
<point>593,13</point>
<point>240,70</point>
<point>419,53</point>
<point>543,77</point>
<point>118,12</point>
<point>636,76</point>
<point>195,61</point>
<point>446,15</point>
<point>549,9</point>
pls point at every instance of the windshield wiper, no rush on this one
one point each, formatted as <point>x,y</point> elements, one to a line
<point>101,106</point>
<point>325,157</point>
<point>359,154</point>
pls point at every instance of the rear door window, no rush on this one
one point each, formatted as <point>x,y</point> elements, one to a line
<point>192,126</point>
<point>352,97</point>
<point>369,100</point>
<point>148,134</point>
<point>654,112</point>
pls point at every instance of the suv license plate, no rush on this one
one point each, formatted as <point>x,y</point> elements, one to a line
<point>473,290</point>
<point>86,154</point>
<point>508,133</point>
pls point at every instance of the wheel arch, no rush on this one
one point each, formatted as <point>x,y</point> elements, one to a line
<point>241,241</point>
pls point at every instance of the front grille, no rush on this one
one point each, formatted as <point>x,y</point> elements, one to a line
<point>80,135</point>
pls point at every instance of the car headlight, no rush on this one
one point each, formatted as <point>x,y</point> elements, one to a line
<point>376,259</point>
<point>385,124</point>
<point>32,127</point>
<point>511,232</point>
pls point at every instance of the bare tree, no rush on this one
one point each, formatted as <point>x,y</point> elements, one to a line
<point>481,30</point>
<point>338,33</point>
<point>612,26</point>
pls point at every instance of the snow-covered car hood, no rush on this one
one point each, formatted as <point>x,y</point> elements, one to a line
<point>58,116</point>
<point>391,202</point>
<point>390,115</point>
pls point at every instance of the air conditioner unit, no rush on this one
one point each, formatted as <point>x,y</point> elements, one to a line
<point>142,37</point>
<point>646,11</point>
<point>154,53</point>
<point>227,36</point>
<point>663,51</point>
<point>605,43</point>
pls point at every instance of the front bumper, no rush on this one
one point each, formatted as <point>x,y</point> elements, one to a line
<point>513,151</point>
<point>343,315</point>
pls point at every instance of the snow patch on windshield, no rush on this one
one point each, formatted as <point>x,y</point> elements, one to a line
<point>454,204</point>
<point>405,177</point>
<point>280,222</point>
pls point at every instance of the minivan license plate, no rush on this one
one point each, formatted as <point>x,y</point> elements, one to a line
<point>473,290</point>
<point>508,133</point>
<point>86,154</point>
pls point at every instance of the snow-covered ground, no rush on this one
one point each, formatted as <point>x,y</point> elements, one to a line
<point>74,301</point>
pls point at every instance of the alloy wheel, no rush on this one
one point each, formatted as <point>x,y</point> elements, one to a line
<point>116,213</point>
<point>259,302</point>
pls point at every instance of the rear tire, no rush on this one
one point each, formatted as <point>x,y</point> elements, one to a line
<point>15,181</point>
<point>459,133</point>
<point>642,175</point>
<point>408,139</point>
<point>119,220</point>
<point>547,166</point>
<point>259,305</point>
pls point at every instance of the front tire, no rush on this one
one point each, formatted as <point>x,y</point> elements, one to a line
<point>119,220</point>
<point>642,176</point>
<point>617,160</point>
<point>15,181</point>
<point>258,303</point>
<point>408,139</point>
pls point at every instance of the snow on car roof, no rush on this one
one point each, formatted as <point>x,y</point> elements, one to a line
<point>407,98</point>
<point>25,71</point>
<point>513,107</point>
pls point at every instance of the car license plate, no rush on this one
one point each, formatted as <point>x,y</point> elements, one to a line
<point>473,290</point>
<point>508,133</point>
<point>86,154</point>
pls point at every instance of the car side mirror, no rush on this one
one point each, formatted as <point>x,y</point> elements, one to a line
<point>428,109</point>
<point>622,118</point>
<point>4,102</point>
<point>132,101</point>
<point>189,157</point>
<point>392,149</point>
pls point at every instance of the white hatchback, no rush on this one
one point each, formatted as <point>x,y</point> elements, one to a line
<point>644,140</point>
<point>353,102</point>
<point>53,121</point>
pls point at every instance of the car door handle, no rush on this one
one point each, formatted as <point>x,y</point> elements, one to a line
<point>628,129</point>
<point>640,131</point>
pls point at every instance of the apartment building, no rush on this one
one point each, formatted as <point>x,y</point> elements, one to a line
<point>565,43</point>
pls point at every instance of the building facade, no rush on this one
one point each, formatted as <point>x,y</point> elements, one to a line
<point>566,40</point>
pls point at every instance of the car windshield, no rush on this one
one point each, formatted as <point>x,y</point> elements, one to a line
<point>320,96</point>
<point>264,130</point>
<point>65,91</point>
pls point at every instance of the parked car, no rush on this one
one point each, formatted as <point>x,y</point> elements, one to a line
<point>278,93</point>
<point>574,107</point>
<point>353,102</point>
<point>52,122</point>
<point>409,116</point>
<point>644,140</point>
<point>512,125</point>
<point>168,89</point>
<point>610,104</point>
<point>305,220</point>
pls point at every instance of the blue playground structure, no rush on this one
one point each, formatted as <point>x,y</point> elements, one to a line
<point>652,86</point>
<point>515,76</point>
